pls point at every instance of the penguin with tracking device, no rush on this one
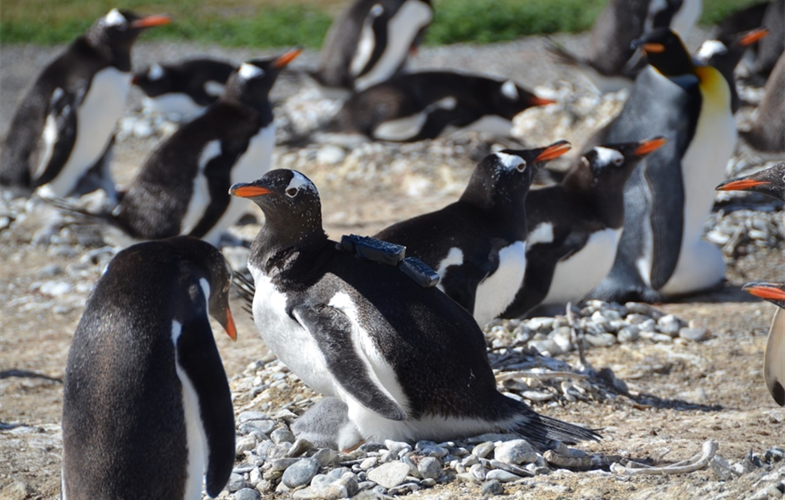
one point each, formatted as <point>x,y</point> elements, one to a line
<point>147,410</point>
<point>575,226</point>
<point>416,106</point>
<point>478,244</point>
<point>774,357</point>
<point>369,43</point>
<point>408,361</point>
<point>63,128</point>
<point>183,187</point>
<point>661,252</point>
<point>184,88</point>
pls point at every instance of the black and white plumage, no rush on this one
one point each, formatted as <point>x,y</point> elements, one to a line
<point>64,126</point>
<point>661,252</point>
<point>774,357</point>
<point>408,361</point>
<point>770,182</point>
<point>417,106</point>
<point>147,411</point>
<point>766,134</point>
<point>369,43</point>
<point>769,14</point>
<point>575,226</point>
<point>478,243</point>
<point>184,88</point>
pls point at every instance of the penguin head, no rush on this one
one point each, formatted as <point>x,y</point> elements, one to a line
<point>120,28</point>
<point>666,52</point>
<point>509,99</point>
<point>254,79</point>
<point>773,292</point>
<point>770,182</point>
<point>153,80</point>
<point>725,52</point>
<point>290,202</point>
<point>614,163</point>
<point>505,176</point>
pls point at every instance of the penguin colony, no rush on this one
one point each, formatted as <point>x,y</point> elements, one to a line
<point>406,360</point>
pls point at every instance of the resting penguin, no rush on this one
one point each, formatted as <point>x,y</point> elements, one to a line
<point>770,182</point>
<point>416,106</point>
<point>661,252</point>
<point>774,358</point>
<point>185,88</point>
<point>369,43</point>
<point>147,411</point>
<point>478,244</point>
<point>64,126</point>
<point>767,131</point>
<point>574,227</point>
<point>408,361</point>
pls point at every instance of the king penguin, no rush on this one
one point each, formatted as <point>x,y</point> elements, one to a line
<point>408,361</point>
<point>369,43</point>
<point>184,88</point>
<point>661,252</point>
<point>774,357</point>
<point>477,244</point>
<point>147,411</point>
<point>575,226</point>
<point>64,126</point>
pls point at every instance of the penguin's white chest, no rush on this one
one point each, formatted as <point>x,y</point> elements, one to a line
<point>177,105</point>
<point>578,274</point>
<point>96,117</point>
<point>498,290</point>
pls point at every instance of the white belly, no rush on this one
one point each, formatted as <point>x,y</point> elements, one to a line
<point>581,272</point>
<point>181,105</point>
<point>200,197</point>
<point>96,119</point>
<point>498,290</point>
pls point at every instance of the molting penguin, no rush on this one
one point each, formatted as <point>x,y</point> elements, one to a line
<point>417,106</point>
<point>478,244</point>
<point>661,251</point>
<point>185,88</point>
<point>147,411</point>
<point>369,43</point>
<point>574,227</point>
<point>767,132</point>
<point>64,126</point>
<point>408,361</point>
<point>774,358</point>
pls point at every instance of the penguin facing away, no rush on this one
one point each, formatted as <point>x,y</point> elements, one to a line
<point>478,244</point>
<point>147,410</point>
<point>774,357</point>
<point>369,43</point>
<point>184,88</point>
<point>416,106</point>
<point>770,182</point>
<point>575,226</point>
<point>64,126</point>
<point>408,361</point>
<point>661,252</point>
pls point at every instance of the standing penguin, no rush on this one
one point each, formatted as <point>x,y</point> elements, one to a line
<point>574,227</point>
<point>661,251</point>
<point>767,131</point>
<point>64,126</point>
<point>478,244</point>
<point>370,43</point>
<point>147,411</point>
<point>185,88</point>
<point>408,361</point>
<point>774,357</point>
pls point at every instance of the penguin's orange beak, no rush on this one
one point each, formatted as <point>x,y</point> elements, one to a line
<point>739,184</point>
<point>248,191</point>
<point>555,150</point>
<point>654,48</point>
<point>649,146</point>
<point>287,57</point>
<point>231,330</point>
<point>540,101</point>
<point>150,21</point>
<point>753,36</point>
<point>768,291</point>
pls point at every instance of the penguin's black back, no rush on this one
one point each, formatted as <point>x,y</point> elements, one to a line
<point>188,77</point>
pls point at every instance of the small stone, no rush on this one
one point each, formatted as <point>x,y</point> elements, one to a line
<point>369,463</point>
<point>300,473</point>
<point>251,415</point>
<point>492,488</point>
<point>629,333</point>
<point>601,340</point>
<point>55,288</point>
<point>330,155</point>
<point>515,452</point>
<point>390,474</point>
<point>430,449</point>
<point>395,447</point>
<point>478,471</point>
<point>502,476</point>
<point>236,482</point>
<point>648,325</point>
<point>483,449</point>
<point>661,337</point>
<point>299,447</point>
<point>430,467</point>
<point>562,337</point>
<point>255,476</point>
<point>669,325</point>
<point>538,396</point>
<point>428,483</point>
<point>403,489</point>
<point>469,461</point>
<point>412,467</point>
<point>247,443</point>
<point>326,457</point>
<point>643,309</point>
<point>546,347</point>
<point>282,436</point>
<point>281,464</point>
<point>247,494</point>
<point>540,324</point>
<point>260,426</point>
<point>694,334</point>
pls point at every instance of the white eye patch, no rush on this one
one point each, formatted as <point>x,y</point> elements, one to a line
<point>299,181</point>
<point>248,71</point>
<point>607,156</point>
<point>509,161</point>
<point>510,90</point>
<point>114,18</point>
<point>710,48</point>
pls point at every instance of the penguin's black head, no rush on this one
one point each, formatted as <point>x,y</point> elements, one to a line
<point>770,182</point>
<point>505,177</point>
<point>120,28</point>
<point>614,163</point>
<point>154,80</point>
<point>510,99</point>
<point>773,292</point>
<point>254,79</point>
<point>666,52</point>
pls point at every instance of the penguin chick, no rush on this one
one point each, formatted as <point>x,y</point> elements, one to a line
<point>147,411</point>
<point>770,182</point>
<point>774,357</point>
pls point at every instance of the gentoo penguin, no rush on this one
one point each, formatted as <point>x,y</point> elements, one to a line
<point>575,226</point>
<point>183,186</point>
<point>770,181</point>
<point>610,63</point>
<point>185,88</point>
<point>407,360</point>
<point>147,411</point>
<point>767,132</point>
<point>774,358</point>
<point>65,123</point>
<point>369,43</point>
<point>478,243</point>
<point>417,106</point>
<point>661,252</point>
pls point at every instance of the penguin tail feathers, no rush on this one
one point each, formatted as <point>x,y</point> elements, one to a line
<point>75,211</point>
<point>542,430</point>
<point>561,55</point>
<point>246,288</point>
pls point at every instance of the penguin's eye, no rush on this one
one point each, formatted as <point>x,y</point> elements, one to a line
<point>291,192</point>
<point>521,166</point>
<point>618,161</point>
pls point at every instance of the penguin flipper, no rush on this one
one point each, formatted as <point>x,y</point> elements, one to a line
<point>541,261</point>
<point>774,358</point>
<point>331,329</point>
<point>198,356</point>
<point>57,138</point>
<point>667,221</point>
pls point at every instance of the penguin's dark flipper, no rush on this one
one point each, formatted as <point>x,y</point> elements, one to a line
<point>198,356</point>
<point>332,331</point>
<point>58,138</point>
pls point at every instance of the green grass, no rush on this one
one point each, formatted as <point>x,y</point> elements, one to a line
<point>283,23</point>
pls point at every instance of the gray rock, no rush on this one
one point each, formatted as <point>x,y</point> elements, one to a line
<point>540,324</point>
<point>546,347</point>
<point>412,467</point>
<point>326,457</point>
<point>478,471</point>
<point>669,325</point>
<point>629,333</point>
<point>369,463</point>
<point>601,340</point>
<point>261,426</point>
<point>430,467</point>
<point>300,473</point>
<point>648,325</point>
<point>247,494</point>
<point>492,488</point>
<point>661,337</point>
<point>390,474</point>
<point>404,489</point>
<point>562,337</point>
<point>281,464</point>
<point>427,483</point>
<point>395,447</point>
<point>483,449</point>
<point>299,447</point>
<point>244,444</point>
<point>330,155</point>
<point>282,436</point>
<point>236,482</point>
<point>251,415</point>
<point>430,449</point>
<point>501,476</point>
<point>255,476</point>
<point>517,451</point>
<point>694,334</point>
